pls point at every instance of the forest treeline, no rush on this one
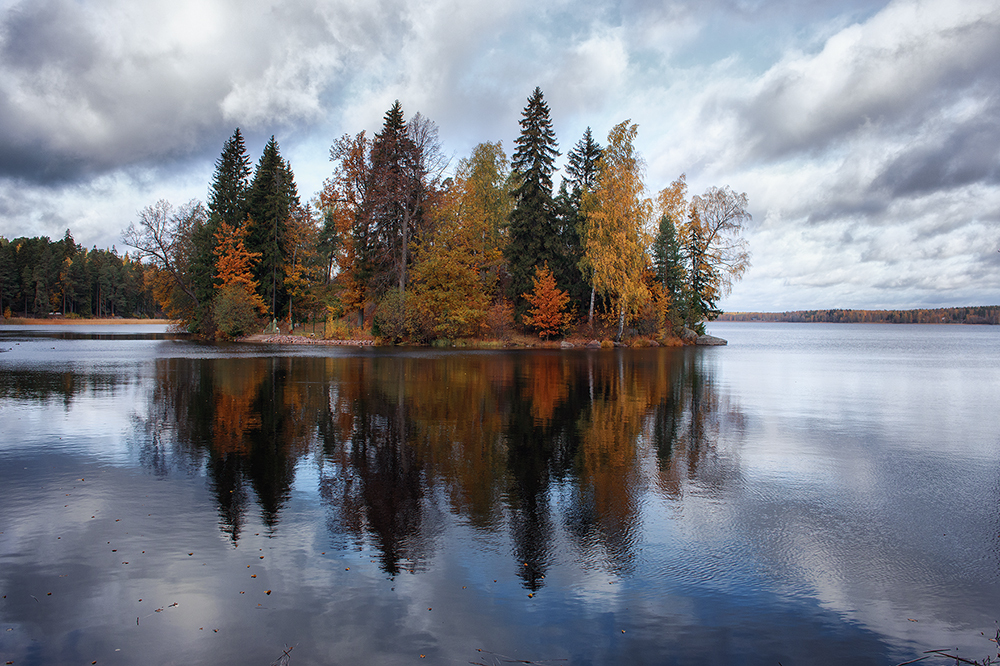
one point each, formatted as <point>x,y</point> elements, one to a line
<point>961,315</point>
<point>409,247</point>
<point>39,276</point>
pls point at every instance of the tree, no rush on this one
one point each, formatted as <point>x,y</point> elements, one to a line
<point>227,196</point>
<point>668,270</point>
<point>718,254</point>
<point>547,313</point>
<point>617,216</point>
<point>237,304</point>
<point>394,195</point>
<point>583,170</point>
<point>451,275</point>
<point>227,202</point>
<point>8,274</point>
<point>346,211</point>
<point>482,207</point>
<point>703,280</point>
<point>303,273</point>
<point>273,197</point>
<point>164,236</point>
<point>533,236</point>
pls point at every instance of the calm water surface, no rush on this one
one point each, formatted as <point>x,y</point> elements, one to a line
<point>810,494</point>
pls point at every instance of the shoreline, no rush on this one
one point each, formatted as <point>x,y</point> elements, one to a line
<point>285,339</point>
<point>63,321</point>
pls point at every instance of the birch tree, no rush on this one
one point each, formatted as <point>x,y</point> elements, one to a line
<point>618,217</point>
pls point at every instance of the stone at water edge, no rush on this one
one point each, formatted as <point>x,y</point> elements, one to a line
<point>710,341</point>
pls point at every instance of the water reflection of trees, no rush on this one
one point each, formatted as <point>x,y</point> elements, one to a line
<point>529,444</point>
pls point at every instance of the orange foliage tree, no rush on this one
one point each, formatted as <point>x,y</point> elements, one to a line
<point>547,313</point>
<point>238,304</point>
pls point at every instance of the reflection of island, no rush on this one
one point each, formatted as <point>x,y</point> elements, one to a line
<point>528,442</point>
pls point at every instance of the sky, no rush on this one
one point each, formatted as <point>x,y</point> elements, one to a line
<point>865,134</point>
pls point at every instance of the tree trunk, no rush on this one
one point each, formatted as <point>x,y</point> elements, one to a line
<point>590,316</point>
<point>621,324</point>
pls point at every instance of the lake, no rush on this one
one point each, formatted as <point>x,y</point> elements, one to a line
<point>808,494</point>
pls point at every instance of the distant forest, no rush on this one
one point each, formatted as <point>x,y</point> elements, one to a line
<point>39,276</point>
<point>989,314</point>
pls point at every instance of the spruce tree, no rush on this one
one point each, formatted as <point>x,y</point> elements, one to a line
<point>394,195</point>
<point>272,198</point>
<point>227,196</point>
<point>583,163</point>
<point>533,235</point>
<point>668,267</point>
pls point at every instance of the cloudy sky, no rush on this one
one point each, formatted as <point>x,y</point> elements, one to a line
<point>866,134</point>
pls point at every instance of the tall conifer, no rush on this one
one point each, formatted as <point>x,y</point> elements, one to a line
<point>533,236</point>
<point>583,169</point>
<point>272,198</point>
<point>394,195</point>
<point>226,203</point>
<point>668,266</point>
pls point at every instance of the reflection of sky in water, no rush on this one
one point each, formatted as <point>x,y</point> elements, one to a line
<point>785,498</point>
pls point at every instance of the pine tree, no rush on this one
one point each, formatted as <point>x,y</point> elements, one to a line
<point>533,236</point>
<point>272,198</point>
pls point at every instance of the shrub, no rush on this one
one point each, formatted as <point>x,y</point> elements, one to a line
<point>235,311</point>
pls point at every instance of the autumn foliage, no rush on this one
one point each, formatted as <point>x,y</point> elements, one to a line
<point>238,303</point>
<point>547,313</point>
<point>408,248</point>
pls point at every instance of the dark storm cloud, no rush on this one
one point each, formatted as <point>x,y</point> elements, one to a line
<point>75,104</point>
<point>90,87</point>
<point>968,152</point>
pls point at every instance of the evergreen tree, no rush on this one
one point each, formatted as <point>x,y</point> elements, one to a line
<point>533,236</point>
<point>8,275</point>
<point>702,280</point>
<point>227,196</point>
<point>582,166</point>
<point>583,170</point>
<point>272,198</point>
<point>668,267</point>
<point>227,200</point>
<point>394,196</point>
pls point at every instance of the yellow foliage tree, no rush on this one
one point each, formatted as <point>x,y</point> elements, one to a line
<point>618,218</point>
<point>448,287</point>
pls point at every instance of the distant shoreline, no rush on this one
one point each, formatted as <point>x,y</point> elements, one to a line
<point>79,321</point>
<point>980,314</point>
